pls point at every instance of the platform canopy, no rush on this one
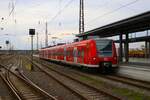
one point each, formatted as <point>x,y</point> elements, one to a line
<point>133,24</point>
<point>136,39</point>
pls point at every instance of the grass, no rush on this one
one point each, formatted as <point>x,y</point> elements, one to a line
<point>130,94</point>
<point>123,92</point>
<point>91,80</point>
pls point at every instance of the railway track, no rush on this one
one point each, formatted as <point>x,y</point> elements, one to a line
<point>61,91</point>
<point>130,81</point>
<point>85,91</point>
<point>22,87</point>
<point>125,80</point>
<point>5,59</point>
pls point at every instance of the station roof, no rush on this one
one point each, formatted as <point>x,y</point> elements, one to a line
<point>136,23</point>
<point>137,39</point>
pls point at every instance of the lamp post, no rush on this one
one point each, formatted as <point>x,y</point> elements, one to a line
<point>31,33</point>
<point>0,48</point>
<point>7,43</point>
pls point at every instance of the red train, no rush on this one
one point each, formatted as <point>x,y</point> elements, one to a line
<point>94,53</point>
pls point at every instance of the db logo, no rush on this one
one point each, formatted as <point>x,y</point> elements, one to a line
<point>105,59</point>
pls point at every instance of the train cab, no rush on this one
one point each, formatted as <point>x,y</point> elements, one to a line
<point>106,53</point>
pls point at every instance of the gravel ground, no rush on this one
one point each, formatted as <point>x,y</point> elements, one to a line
<point>109,85</point>
<point>99,77</point>
<point>49,85</point>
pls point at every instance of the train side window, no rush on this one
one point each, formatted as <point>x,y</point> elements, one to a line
<point>71,52</point>
<point>75,54</point>
<point>79,53</point>
<point>60,53</point>
<point>82,54</point>
<point>48,52</point>
<point>65,53</point>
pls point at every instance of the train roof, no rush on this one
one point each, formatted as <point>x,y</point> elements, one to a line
<point>74,43</point>
<point>101,39</point>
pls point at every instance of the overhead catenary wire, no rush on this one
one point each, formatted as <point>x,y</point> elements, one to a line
<point>110,12</point>
<point>60,11</point>
<point>13,5</point>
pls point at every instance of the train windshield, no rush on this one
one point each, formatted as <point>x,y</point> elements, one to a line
<point>104,48</point>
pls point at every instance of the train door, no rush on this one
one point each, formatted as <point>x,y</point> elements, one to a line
<point>46,54</point>
<point>75,52</point>
<point>80,54</point>
<point>65,53</point>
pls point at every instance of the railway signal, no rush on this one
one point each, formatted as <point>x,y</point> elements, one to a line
<point>31,33</point>
<point>7,43</point>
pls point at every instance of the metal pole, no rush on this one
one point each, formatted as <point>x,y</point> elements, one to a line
<point>146,49</point>
<point>31,52</point>
<point>149,49</point>
<point>126,48</point>
<point>120,48</point>
<point>31,32</point>
<point>37,41</point>
<point>81,17</point>
<point>46,36</point>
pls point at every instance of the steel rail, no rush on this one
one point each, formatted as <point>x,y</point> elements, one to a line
<point>129,81</point>
<point>85,84</point>
<point>42,91</point>
<point>126,80</point>
<point>28,83</point>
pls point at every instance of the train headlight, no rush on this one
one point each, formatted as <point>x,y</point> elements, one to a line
<point>94,58</point>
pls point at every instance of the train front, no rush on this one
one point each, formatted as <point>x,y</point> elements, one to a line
<point>106,53</point>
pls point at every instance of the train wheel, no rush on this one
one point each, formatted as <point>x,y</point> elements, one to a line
<point>102,69</point>
<point>105,69</point>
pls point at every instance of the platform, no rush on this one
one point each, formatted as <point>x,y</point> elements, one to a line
<point>139,71</point>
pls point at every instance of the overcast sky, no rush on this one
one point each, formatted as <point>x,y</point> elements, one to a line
<point>62,17</point>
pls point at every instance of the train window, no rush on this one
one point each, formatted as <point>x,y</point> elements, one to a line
<point>71,52</point>
<point>59,53</point>
<point>79,53</point>
<point>104,47</point>
<point>75,53</point>
<point>67,53</point>
<point>53,53</point>
<point>82,54</point>
<point>48,53</point>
